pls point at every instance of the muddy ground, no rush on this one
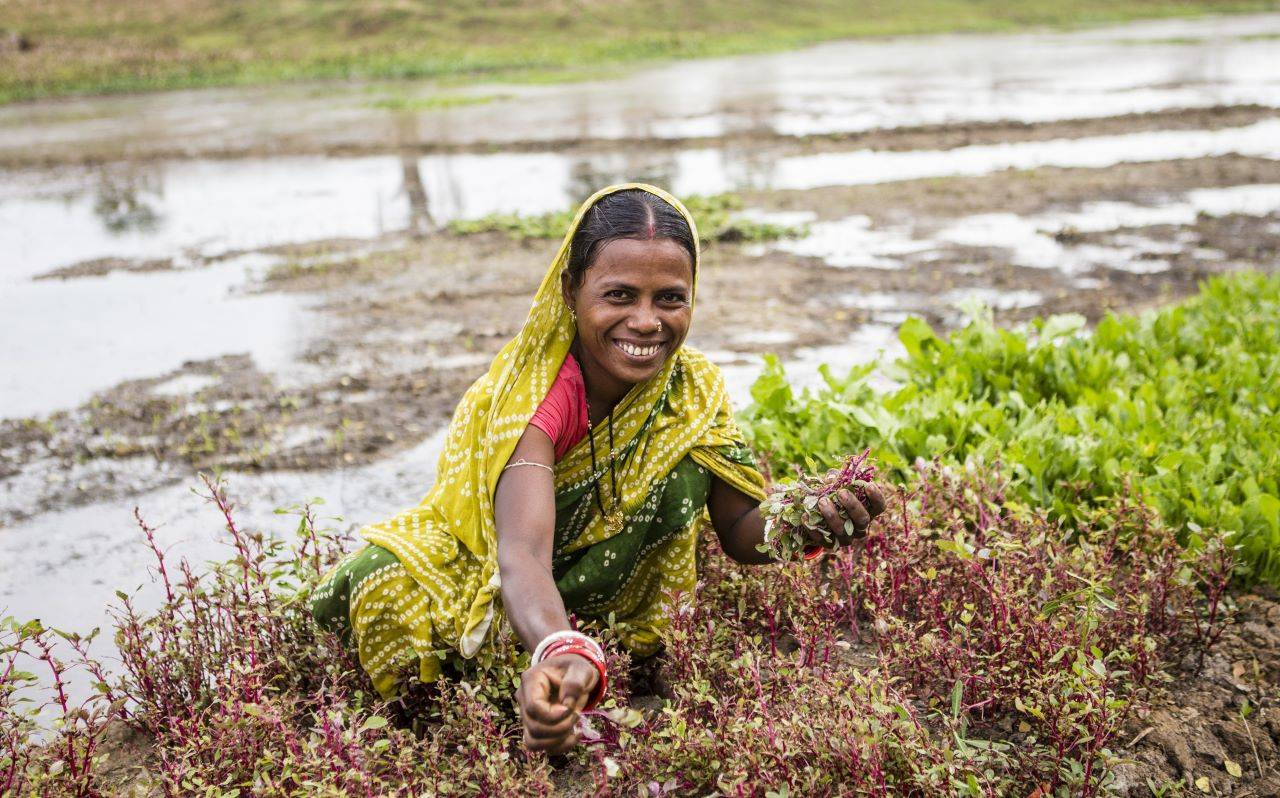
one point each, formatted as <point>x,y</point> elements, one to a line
<point>410,321</point>
<point>1215,728</point>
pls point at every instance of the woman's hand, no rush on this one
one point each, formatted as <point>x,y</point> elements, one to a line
<point>847,506</point>
<point>551,695</point>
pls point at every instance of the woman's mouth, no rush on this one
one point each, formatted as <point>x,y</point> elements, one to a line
<point>639,353</point>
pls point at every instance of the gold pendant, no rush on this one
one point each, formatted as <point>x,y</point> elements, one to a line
<point>614,520</point>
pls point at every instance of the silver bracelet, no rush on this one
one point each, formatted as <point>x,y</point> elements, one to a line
<point>523,461</point>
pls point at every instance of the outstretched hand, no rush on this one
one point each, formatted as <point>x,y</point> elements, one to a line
<point>846,507</point>
<point>551,695</point>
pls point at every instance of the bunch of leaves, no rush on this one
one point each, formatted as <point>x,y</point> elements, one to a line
<point>971,648</point>
<point>49,739</point>
<point>718,217</point>
<point>1182,405</point>
<point>792,517</point>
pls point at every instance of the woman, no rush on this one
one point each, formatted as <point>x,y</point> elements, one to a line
<point>574,478</point>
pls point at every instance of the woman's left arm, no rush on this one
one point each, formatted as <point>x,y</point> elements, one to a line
<point>740,526</point>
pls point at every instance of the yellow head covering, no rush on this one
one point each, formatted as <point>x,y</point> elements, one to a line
<point>448,544</point>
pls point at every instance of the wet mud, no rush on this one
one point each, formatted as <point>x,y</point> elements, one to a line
<point>1215,728</point>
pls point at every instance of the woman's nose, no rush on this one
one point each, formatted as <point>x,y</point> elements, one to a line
<point>645,321</point>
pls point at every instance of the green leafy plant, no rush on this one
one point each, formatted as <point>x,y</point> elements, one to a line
<point>1181,405</point>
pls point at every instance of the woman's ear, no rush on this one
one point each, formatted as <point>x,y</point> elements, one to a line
<point>566,291</point>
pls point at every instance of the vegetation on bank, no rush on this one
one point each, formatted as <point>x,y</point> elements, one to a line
<point>1181,406</point>
<point>718,217</point>
<point>51,48</point>
<point>981,642</point>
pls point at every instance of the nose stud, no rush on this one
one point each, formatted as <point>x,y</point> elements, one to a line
<point>659,326</point>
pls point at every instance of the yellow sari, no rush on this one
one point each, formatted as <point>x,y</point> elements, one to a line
<point>438,591</point>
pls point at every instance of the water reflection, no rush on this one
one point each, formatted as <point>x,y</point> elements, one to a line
<point>411,185</point>
<point>128,202</point>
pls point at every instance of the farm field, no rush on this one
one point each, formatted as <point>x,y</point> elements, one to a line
<point>54,48</point>
<point>304,283</point>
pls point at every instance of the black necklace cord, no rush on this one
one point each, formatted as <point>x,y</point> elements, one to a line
<point>591,442</point>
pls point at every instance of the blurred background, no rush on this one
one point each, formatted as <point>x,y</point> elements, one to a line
<point>276,241</point>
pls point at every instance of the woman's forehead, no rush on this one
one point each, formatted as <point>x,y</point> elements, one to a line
<point>636,261</point>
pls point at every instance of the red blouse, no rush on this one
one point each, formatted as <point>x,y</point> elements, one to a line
<point>563,414</point>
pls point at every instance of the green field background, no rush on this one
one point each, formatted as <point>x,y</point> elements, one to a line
<point>54,48</point>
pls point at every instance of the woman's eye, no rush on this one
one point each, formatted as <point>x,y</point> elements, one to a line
<point>675,299</point>
<point>616,293</point>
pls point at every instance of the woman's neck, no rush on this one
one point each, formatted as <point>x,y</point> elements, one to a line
<point>603,391</point>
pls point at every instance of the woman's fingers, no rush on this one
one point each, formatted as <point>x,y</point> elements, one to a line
<point>832,516</point>
<point>847,506</point>
<point>543,720</point>
<point>875,500</point>
<point>578,678</point>
<point>855,511</point>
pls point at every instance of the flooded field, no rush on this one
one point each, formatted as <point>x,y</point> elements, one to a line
<point>261,282</point>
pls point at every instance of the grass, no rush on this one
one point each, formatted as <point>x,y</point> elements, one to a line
<point>434,102</point>
<point>132,45</point>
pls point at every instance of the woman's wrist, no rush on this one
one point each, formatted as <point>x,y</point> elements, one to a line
<point>569,642</point>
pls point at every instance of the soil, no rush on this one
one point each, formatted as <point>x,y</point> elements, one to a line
<point>1215,729</point>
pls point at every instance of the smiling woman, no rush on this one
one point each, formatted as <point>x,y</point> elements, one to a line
<point>576,475</point>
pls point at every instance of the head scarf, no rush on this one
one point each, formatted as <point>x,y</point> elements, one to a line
<point>449,542</point>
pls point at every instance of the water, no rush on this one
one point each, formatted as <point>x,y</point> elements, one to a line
<point>93,550</point>
<point>834,87</point>
<point>1029,240</point>
<point>66,340</point>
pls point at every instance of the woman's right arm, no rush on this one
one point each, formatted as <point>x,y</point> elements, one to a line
<point>553,692</point>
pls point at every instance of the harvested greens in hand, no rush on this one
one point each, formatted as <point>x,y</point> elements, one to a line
<point>792,519</point>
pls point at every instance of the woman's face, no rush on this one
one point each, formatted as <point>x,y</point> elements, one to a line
<point>634,308</point>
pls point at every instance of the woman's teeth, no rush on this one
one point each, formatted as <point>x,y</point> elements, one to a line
<point>638,351</point>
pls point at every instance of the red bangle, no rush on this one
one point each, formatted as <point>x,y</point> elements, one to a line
<point>813,551</point>
<point>571,647</point>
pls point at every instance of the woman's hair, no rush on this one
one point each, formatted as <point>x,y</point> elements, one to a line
<point>633,213</point>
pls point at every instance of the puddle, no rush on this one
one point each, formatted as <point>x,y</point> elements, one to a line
<point>869,342</point>
<point>1030,240</point>
<point>862,167</point>
<point>66,339</point>
<point>186,209</point>
<point>834,87</point>
<point>997,299</point>
<point>854,242</point>
<point>206,207</point>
